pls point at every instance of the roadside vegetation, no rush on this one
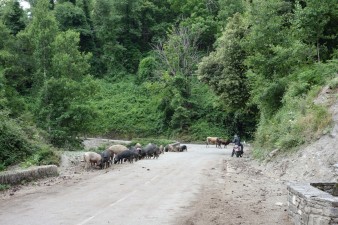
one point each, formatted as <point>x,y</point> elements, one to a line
<point>4,187</point>
<point>299,120</point>
<point>168,69</point>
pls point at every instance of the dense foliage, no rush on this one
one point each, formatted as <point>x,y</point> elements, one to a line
<point>163,69</point>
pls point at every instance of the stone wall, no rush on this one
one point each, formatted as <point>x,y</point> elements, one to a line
<point>309,205</point>
<point>16,177</point>
<point>327,187</point>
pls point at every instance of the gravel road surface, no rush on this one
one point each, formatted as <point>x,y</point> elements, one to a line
<point>150,191</point>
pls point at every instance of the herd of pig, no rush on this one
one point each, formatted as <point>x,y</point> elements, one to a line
<point>120,153</point>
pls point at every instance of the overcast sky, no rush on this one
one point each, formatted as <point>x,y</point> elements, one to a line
<point>24,4</point>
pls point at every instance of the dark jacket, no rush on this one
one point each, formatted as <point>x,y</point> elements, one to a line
<point>237,140</point>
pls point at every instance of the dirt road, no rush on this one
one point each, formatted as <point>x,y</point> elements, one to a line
<point>201,186</point>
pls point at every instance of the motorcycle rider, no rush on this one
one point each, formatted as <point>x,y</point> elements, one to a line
<point>237,141</point>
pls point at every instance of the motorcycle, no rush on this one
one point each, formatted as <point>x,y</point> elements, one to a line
<point>237,150</point>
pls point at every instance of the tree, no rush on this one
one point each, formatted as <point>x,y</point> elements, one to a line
<point>199,16</point>
<point>126,30</point>
<point>224,69</point>
<point>5,41</point>
<point>156,20</point>
<point>67,60</point>
<point>106,29</point>
<point>316,24</point>
<point>5,34</point>
<point>63,107</point>
<point>42,31</point>
<point>15,79</point>
<point>190,7</point>
<point>65,111</point>
<point>178,57</point>
<point>129,32</point>
<point>17,62</point>
<point>66,1</point>
<point>179,54</point>
<point>205,26</point>
<point>73,17</point>
<point>272,53</point>
<point>13,16</point>
<point>228,8</point>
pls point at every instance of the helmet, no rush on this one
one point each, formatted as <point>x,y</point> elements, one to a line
<point>236,135</point>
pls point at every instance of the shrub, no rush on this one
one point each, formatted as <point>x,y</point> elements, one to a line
<point>69,112</point>
<point>146,69</point>
<point>259,153</point>
<point>314,124</point>
<point>307,78</point>
<point>333,84</point>
<point>126,110</point>
<point>14,144</point>
<point>20,141</point>
<point>45,156</point>
<point>4,187</point>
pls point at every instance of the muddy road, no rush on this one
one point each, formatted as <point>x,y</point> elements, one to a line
<point>200,186</point>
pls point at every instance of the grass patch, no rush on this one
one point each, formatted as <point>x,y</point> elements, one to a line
<point>44,156</point>
<point>333,84</point>
<point>259,153</point>
<point>4,187</point>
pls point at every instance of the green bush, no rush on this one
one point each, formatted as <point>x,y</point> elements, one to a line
<point>292,126</point>
<point>333,84</point>
<point>146,69</point>
<point>259,153</point>
<point>289,141</point>
<point>4,187</point>
<point>2,166</point>
<point>48,157</point>
<point>126,110</point>
<point>20,141</point>
<point>307,78</point>
<point>14,143</point>
<point>69,112</point>
<point>45,156</point>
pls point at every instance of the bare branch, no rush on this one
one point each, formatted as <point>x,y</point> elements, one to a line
<point>179,53</point>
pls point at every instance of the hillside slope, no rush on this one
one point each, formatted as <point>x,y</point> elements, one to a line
<point>317,161</point>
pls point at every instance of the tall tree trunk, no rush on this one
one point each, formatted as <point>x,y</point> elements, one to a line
<point>318,56</point>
